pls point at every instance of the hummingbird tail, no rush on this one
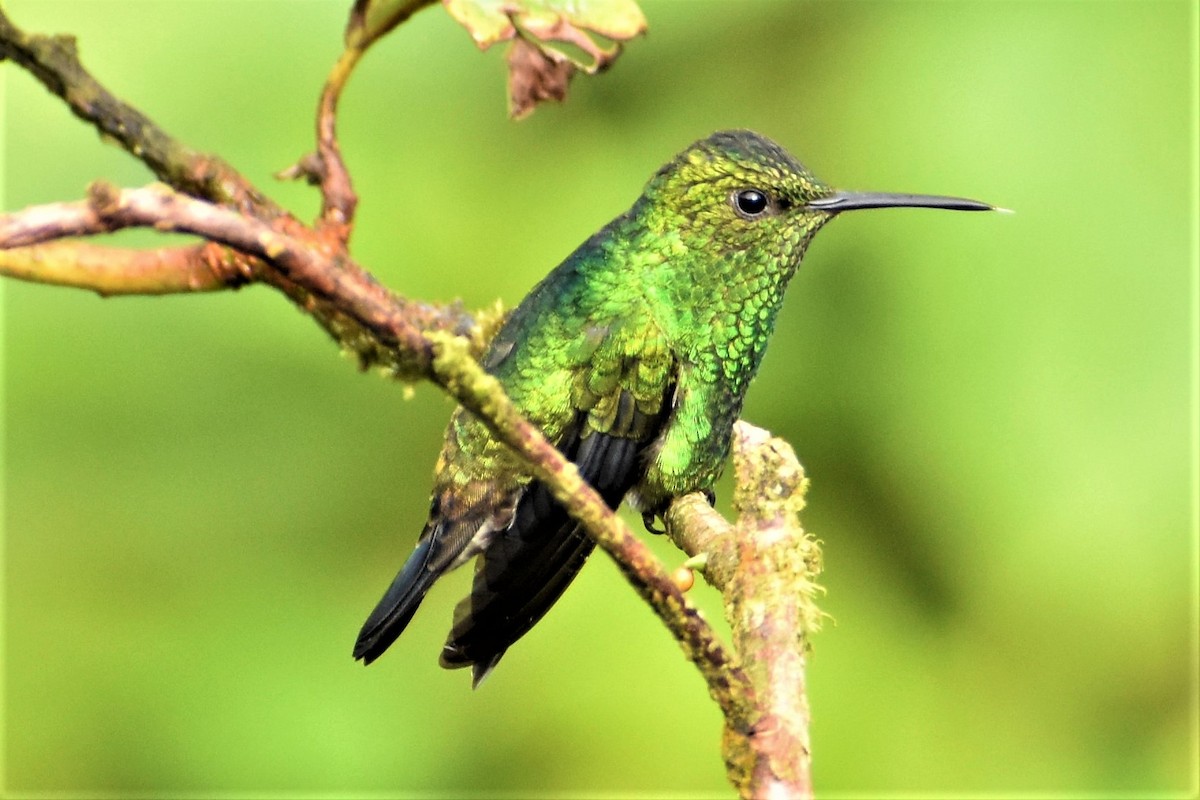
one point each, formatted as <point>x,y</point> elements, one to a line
<point>478,641</point>
<point>517,582</point>
<point>399,603</point>
<point>527,567</point>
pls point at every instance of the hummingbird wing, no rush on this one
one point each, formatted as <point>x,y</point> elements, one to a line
<point>531,548</point>
<point>583,360</point>
<point>623,395</point>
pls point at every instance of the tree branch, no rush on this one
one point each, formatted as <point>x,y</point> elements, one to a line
<point>766,567</point>
<point>698,530</point>
<point>367,23</point>
<point>764,562</point>
<point>113,271</point>
<point>338,200</point>
<point>379,326</point>
<point>54,61</point>
<point>482,394</point>
<point>108,209</point>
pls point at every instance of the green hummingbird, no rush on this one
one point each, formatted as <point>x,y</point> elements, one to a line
<point>633,356</point>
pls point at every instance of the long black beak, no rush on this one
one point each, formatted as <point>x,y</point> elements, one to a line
<point>850,201</point>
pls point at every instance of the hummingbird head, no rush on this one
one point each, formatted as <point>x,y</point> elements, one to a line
<point>737,193</point>
<point>727,222</point>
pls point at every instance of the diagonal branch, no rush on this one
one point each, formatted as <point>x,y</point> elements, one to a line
<point>445,357</point>
<point>478,391</point>
<point>54,61</point>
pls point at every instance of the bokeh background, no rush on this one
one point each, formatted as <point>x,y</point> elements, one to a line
<point>997,412</point>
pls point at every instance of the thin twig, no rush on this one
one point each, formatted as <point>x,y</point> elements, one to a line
<point>367,23</point>
<point>338,200</point>
<point>698,530</point>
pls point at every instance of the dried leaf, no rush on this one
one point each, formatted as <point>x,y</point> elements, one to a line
<point>534,77</point>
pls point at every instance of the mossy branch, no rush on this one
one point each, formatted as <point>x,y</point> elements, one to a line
<point>766,567</point>
<point>456,368</point>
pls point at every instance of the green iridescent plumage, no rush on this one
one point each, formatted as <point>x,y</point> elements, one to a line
<point>633,356</point>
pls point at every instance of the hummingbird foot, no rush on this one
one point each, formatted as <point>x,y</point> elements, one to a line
<point>648,518</point>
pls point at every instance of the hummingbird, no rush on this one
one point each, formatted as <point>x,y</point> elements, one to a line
<point>633,357</point>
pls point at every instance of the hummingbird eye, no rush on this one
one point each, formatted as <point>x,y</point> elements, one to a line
<point>750,203</point>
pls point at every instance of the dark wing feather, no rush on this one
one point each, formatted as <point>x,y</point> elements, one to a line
<point>444,544</point>
<point>528,566</point>
<point>394,611</point>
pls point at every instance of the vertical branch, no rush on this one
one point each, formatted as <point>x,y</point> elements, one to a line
<point>772,609</point>
<point>766,567</point>
<point>369,20</point>
<point>338,199</point>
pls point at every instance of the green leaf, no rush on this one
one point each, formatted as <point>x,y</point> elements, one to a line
<point>491,21</point>
<point>539,66</point>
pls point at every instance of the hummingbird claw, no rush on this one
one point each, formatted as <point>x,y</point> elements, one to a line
<point>648,520</point>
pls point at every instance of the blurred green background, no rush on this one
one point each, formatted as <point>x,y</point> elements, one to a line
<point>998,413</point>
